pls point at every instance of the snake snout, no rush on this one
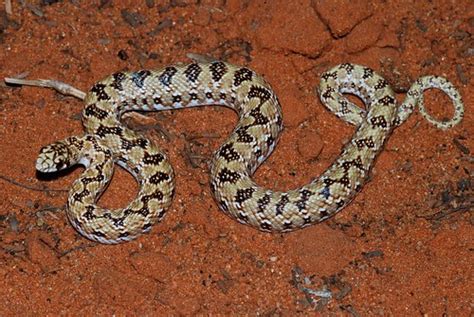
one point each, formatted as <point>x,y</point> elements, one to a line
<point>53,158</point>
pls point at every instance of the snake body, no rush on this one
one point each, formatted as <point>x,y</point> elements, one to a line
<point>108,141</point>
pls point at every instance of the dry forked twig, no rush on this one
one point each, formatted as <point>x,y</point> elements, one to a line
<point>59,86</point>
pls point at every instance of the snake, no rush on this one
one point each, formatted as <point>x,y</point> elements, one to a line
<point>107,141</point>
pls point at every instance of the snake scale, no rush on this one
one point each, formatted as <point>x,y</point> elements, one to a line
<point>107,141</point>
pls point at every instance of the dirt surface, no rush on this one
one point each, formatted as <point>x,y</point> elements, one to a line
<point>403,247</point>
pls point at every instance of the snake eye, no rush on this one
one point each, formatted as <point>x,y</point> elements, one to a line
<point>60,163</point>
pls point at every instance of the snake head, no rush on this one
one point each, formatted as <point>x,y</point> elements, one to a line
<point>55,157</point>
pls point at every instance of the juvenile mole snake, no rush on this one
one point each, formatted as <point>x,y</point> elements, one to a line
<point>108,141</point>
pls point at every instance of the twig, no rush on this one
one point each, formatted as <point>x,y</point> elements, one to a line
<point>316,298</point>
<point>135,116</point>
<point>76,248</point>
<point>193,137</point>
<point>8,7</point>
<point>61,87</point>
<point>40,213</point>
<point>14,182</point>
<point>445,213</point>
<point>201,58</point>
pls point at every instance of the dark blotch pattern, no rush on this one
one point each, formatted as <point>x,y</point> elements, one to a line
<point>223,205</point>
<point>259,118</point>
<point>139,77</point>
<point>244,194</point>
<point>177,99</point>
<point>158,195</point>
<point>382,83</point>
<point>99,90</point>
<point>227,176</point>
<point>328,75</point>
<point>327,94</point>
<point>266,226</point>
<point>159,177</point>
<point>192,72</point>
<point>244,136</point>
<point>387,101</point>
<point>93,111</point>
<point>89,214</point>
<point>379,122</point>
<point>218,70</point>
<point>193,96</point>
<point>348,67</point>
<point>80,195</point>
<point>228,153</point>
<point>365,142</point>
<point>118,79</point>
<point>262,203</point>
<point>301,203</point>
<point>241,75</point>
<point>123,235</point>
<point>153,159</point>
<point>242,217</point>
<point>102,131</point>
<point>280,206</point>
<point>357,163</point>
<point>140,142</point>
<point>368,73</point>
<point>167,76</point>
<point>259,92</point>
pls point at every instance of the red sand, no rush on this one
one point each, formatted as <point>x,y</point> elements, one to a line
<point>403,247</point>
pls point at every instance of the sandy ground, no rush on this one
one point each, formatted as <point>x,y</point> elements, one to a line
<point>403,247</point>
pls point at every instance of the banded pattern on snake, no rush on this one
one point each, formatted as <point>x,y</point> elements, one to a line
<point>108,141</point>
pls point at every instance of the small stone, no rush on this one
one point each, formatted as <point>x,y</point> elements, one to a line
<point>420,25</point>
<point>14,223</point>
<point>122,54</point>
<point>49,2</point>
<point>134,19</point>
<point>372,254</point>
<point>462,74</point>
<point>103,41</point>
<point>150,3</point>
<point>166,23</point>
